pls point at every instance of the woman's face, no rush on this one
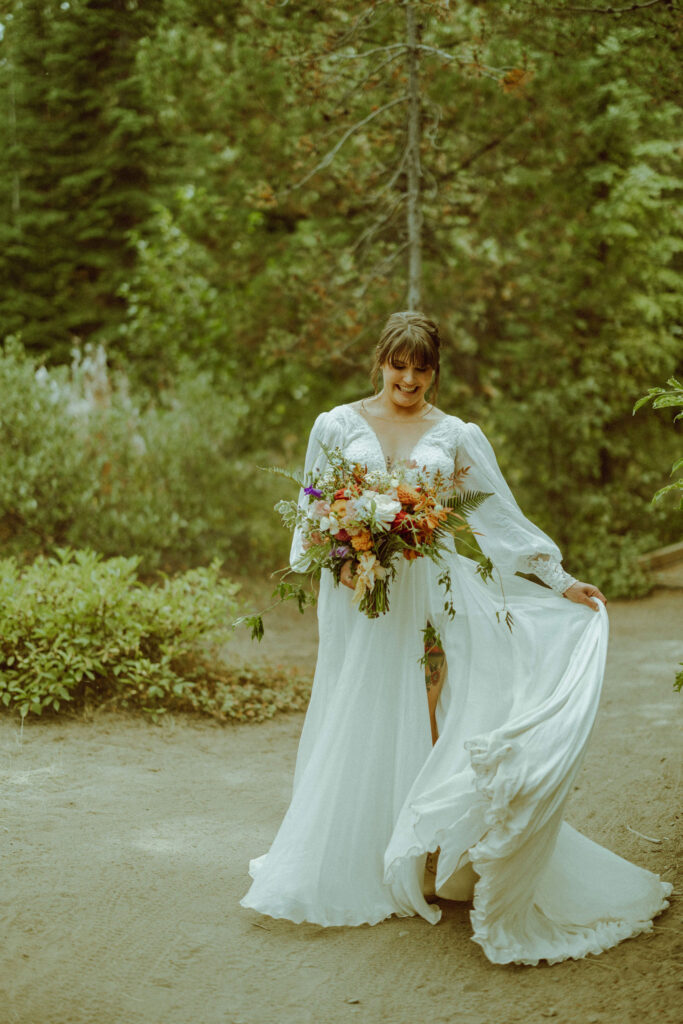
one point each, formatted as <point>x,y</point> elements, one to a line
<point>405,384</point>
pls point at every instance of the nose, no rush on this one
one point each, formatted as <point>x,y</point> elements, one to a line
<point>409,375</point>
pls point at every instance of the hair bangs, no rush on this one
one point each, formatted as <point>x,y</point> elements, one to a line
<point>412,348</point>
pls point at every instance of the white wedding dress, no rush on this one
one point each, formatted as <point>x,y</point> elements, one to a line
<point>372,796</point>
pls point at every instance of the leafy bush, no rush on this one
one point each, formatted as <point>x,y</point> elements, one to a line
<point>667,398</point>
<point>82,464</point>
<point>76,629</point>
<point>45,480</point>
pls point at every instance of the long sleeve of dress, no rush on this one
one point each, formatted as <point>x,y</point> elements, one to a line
<point>316,461</point>
<point>506,536</point>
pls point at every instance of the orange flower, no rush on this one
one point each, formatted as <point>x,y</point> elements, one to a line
<point>338,507</point>
<point>409,554</point>
<point>429,521</point>
<point>362,541</point>
<point>425,502</point>
<point>406,495</point>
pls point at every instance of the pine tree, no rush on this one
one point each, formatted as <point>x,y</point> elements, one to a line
<point>79,149</point>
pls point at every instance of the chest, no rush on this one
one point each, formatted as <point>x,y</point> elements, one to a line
<point>431,446</point>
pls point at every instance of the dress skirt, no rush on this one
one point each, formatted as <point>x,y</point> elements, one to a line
<point>372,796</point>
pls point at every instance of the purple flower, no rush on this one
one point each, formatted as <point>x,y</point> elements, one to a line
<point>314,493</point>
<point>341,552</point>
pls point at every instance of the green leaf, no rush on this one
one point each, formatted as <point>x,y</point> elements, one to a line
<point>286,473</point>
<point>467,501</point>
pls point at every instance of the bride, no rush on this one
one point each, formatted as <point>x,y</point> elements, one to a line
<point>472,777</point>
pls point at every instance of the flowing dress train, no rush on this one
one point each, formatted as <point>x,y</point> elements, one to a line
<point>372,796</point>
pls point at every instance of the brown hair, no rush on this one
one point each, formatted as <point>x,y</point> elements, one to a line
<point>412,337</point>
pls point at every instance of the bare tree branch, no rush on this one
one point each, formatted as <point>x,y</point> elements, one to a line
<point>431,132</point>
<point>366,53</point>
<point>394,178</point>
<point>485,69</point>
<point>365,16</point>
<point>373,12</point>
<point>379,268</point>
<point>380,221</point>
<point>486,148</point>
<point>371,74</point>
<point>329,157</point>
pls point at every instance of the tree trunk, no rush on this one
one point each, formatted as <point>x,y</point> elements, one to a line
<point>413,164</point>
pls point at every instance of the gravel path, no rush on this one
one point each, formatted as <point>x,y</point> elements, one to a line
<point>124,853</point>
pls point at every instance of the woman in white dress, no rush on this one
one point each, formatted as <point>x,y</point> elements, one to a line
<point>375,799</point>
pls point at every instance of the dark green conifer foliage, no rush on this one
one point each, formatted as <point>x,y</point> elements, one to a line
<point>76,169</point>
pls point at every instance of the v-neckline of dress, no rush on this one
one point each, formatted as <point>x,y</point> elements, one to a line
<point>379,443</point>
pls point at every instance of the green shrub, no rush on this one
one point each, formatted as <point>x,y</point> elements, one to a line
<point>46,481</point>
<point>173,482</point>
<point>670,397</point>
<point>77,630</point>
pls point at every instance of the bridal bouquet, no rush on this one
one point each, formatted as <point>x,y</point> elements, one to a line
<point>372,518</point>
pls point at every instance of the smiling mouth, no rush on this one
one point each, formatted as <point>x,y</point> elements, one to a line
<point>407,391</point>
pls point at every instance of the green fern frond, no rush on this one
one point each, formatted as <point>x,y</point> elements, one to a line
<point>286,473</point>
<point>467,502</point>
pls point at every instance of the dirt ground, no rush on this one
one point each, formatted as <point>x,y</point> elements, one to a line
<point>125,847</point>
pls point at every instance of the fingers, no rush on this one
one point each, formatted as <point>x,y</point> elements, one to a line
<point>592,595</point>
<point>586,593</point>
<point>346,576</point>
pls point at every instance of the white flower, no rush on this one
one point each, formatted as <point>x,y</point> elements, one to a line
<point>379,510</point>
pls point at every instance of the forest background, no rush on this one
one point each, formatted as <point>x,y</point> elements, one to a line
<point>208,208</point>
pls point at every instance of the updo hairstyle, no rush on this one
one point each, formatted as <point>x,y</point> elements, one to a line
<point>408,337</point>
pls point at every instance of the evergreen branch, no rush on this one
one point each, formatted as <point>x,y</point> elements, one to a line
<point>329,156</point>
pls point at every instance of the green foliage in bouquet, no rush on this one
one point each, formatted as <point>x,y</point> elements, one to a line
<point>77,630</point>
<point>366,520</point>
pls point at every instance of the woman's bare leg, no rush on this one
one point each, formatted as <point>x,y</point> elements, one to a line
<point>460,886</point>
<point>435,673</point>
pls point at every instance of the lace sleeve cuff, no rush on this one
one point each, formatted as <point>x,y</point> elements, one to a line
<point>550,572</point>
